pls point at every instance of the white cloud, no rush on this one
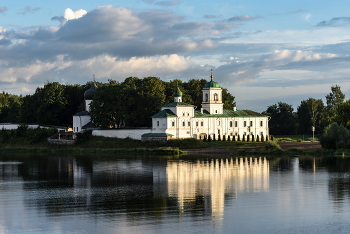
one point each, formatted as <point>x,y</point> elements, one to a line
<point>69,14</point>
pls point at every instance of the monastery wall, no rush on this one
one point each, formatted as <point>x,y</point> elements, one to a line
<point>122,133</point>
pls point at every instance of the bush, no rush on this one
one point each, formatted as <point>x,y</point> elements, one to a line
<point>205,138</point>
<point>219,137</point>
<point>243,138</point>
<point>21,130</point>
<point>299,140</point>
<point>267,138</point>
<point>233,138</point>
<point>82,137</point>
<point>38,134</point>
<point>269,145</point>
<point>224,138</point>
<point>214,137</point>
<point>335,137</point>
<point>252,137</point>
<point>228,138</point>
<point>209,138</point>
<point>272,138</point>
<point>257,138</point>
<point>239,138</point>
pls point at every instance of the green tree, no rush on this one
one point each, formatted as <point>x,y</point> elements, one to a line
<point>228,100</point>
<point>282,120</point>
<point>311,112</point>
<point>342,115</point>
<point>334,98</point>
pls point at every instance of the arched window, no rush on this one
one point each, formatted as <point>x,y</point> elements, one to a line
<point>215,97</point>
<point>206,97</point>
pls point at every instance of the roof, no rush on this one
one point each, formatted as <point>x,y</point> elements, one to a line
<point>173,104</point>
<point>82,113</point>
<point>177,92</point>
<point>156,135</point>
<point>212,84</point>
<point>164,114</point>
<point>89,94</point>
<point>229,113</point>
<point>89,125</point>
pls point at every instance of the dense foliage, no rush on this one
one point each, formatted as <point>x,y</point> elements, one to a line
<point>335,137</point>
<point>32,135</point>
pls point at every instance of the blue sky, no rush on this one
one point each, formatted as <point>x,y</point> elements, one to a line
<point>262,51</point>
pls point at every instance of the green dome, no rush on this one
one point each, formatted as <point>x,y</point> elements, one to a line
<point>212,84</point>
<point>177,92</point>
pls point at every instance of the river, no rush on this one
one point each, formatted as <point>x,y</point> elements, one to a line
<point>104,194</point>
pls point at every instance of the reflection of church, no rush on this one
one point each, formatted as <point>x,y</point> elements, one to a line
<point>181,120</point>
<point>216,179</point>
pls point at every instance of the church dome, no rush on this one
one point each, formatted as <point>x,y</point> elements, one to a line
<point>177,92</point>
<point>212,84</point>
<point>89,94</point>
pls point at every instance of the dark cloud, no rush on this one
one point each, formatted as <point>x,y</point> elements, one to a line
<point>209,16</point>
<point>167,3</point>
<point>3,9</point>
<point>334,22</point>
<point>243,18</point>
<point>29,9</point>
<point>61,19</point>
<point>258,31</point>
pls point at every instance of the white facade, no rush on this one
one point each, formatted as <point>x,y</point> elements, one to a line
<point>182,121</point>
<point>79,120</point>
<point>122,133</point>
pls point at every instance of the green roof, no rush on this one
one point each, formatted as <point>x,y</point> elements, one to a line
<point>229,113</point>
<point>212,84</point>
<point>177,92</point>
<point>156,135</point>
<point>164,114</point>
<point>173,104</point>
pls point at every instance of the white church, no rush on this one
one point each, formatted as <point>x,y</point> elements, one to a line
<point>181,120</point>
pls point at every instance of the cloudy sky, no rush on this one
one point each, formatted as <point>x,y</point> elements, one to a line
<point>263,52</point>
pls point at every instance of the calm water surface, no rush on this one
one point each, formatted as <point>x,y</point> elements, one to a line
<point>82,194</point>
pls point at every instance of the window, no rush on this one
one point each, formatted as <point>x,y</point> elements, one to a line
<point>244,133</point>
<point>188,123</point>
<point>236,134</point>
<point>245,124</point>
<point>206,97</point>
<point>188,114</point>
<point>196,124</point>
<point>179,99</point>
<point>231,134</point>
<point>218,122</point>
<point>261,123</point>
<point>216,111</point>
<point>251,123</point>
<point>183,124</point>
<point>218,132</point>
<point>215,97</point>
<point>183,113</point>
<point>235,123</point>
<point>173,124</point>
<point>230,124</point>
<point>202,124</point>
<point>74,129</point>
<point>158,123</point>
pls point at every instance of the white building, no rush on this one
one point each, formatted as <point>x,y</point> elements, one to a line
<point>181,120</point>
<point>82,119</point>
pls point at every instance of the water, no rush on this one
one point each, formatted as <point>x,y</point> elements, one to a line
<point>82,194</point>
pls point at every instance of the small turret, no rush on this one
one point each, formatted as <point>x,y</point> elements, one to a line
<point>177,95</point>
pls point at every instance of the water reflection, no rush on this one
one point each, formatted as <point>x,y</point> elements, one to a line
<point>212,181</point>
<point>136,192</point>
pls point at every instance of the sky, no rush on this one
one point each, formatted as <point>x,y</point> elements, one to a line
<point>263,52</point>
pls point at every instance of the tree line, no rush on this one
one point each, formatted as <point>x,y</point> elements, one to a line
<point>130,103</point>
<point>310,112</point>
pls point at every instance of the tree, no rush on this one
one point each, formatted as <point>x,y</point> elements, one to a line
<point>343,114</point>
<point>311,112</point>
<point>282,120</point>
<point>9,107</point>
<point>228,100</point>
<point>334,98</point>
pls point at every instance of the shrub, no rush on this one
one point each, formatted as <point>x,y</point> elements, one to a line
<point>234,138</point>
<point>272,145</point>
<point>335,137</point>
<point>299,140</point>
<point>228,138</point>
<point>252,137</point>
<point>272,138</point>
<point>224,138</point>
<point>243,138</point>
<point>205,138</point>
<point>38,134</point>
<point>257,138</point>
<point>239,138</point>
<point>214,137</point>
<point>209,138</point>
<point>21,130</point>
<point>267,138</point>
<point>219,137</point>
<point>82,137</point>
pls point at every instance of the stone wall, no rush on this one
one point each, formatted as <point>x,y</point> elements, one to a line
<point>122,132</point>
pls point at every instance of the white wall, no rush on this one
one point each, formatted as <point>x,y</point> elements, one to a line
<point>122,133</point>
<point>15,126</point>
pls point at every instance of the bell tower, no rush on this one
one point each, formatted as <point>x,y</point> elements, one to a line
<point>212,97</point>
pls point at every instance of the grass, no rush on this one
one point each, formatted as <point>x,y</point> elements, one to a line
<point>294,138</point>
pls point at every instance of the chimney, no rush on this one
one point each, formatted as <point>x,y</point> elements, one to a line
<point>234,108</point>
<point>201,110</point>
